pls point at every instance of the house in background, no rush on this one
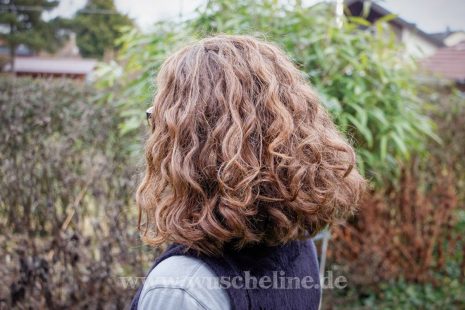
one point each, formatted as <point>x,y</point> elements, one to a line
<point>441,56</point>
<point>35,66</point>
<point>449,37</point>
<point>418,43</point>
<point>447,63</point>
<point>65,63</point>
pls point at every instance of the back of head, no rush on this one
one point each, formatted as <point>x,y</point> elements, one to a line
<point>241,152</point>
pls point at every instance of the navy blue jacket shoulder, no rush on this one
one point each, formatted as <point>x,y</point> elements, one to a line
<point>281,277</point>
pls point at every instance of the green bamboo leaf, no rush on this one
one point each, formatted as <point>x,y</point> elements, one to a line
<point>386,18</point>
<point>359,21</point>
<point>379,115</point>
<point>364,131</point>
<point>400,144</point>
<point>362,115</point>
<point>383,147</point>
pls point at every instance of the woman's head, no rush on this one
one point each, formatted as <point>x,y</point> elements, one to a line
<point>241,152</point>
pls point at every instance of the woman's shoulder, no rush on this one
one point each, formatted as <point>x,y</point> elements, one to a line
<point>183,282</point>
<point>180,266</point>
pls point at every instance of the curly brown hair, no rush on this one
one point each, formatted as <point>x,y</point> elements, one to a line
<point>241,152</point>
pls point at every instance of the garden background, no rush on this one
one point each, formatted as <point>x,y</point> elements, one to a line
<point>71,156</point>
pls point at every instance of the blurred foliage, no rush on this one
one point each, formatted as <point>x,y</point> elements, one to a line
<point>405,232</point>
<point>23,24</point>
<point>67,215</point>
<point>368,87</point>
<point>97,27</point>
<point>449,115</point>
<point>447,293</point>
<point>406,247</point>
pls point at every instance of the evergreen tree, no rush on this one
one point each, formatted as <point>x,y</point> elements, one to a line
<point>97,27</point>
<point>23,22</point>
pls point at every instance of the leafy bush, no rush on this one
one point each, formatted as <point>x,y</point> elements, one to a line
<point>66,228</point>
<point>447,293</point>
<point>370,90</point>
<point>449,115</point>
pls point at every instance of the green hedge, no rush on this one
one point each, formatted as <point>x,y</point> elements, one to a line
<point>67,217</point>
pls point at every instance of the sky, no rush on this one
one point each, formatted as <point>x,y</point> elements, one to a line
<point>429,15</point>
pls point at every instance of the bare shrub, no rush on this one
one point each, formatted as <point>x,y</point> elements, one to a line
<point>405,232</point>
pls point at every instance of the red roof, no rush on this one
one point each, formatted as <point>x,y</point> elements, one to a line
<point>448,62</point>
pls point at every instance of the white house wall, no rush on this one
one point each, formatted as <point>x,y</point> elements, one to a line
<point>416,45</point>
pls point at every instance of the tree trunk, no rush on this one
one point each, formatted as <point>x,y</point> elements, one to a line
<point>12,57</point>
<point>12,48</point>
